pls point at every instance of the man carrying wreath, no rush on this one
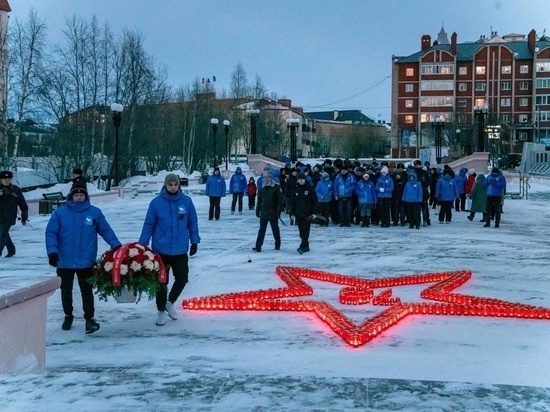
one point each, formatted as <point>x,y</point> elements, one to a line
<point>71,244</point>
<point>171,224</point>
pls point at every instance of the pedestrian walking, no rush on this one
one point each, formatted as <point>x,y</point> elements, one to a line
<point>215,190</point>
<point>11,198</point>
<point>268,209</point>
<point>303,203</point>
<point>238,188</point>
<point>251,191</point>
<point>71,244</point>
<point>171,224</point>
<point>496,188</point>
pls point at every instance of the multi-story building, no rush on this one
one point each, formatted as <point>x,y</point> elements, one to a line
<point>470,96</point>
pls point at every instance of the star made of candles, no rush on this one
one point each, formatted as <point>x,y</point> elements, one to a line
<point>360,291</point>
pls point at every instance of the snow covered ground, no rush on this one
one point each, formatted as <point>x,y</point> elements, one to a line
<point>288,361</point>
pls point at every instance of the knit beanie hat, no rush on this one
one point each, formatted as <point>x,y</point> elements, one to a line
<point>78,187</point>
<point>384,170</point>
<point>170,178</point>
<point>301,176</point>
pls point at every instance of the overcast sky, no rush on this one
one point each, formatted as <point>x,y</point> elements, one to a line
<point>321,54</point>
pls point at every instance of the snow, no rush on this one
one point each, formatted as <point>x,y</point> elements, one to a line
<point>286,361</point>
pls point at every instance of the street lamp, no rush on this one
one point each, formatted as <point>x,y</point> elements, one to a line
<point>253,114</point>
<point>117,109</point>
<point>293,124</point>
<point>493,134</point>
<point>214,122</point>
<point>226,124</point>
<point>438,125</point>
<point>480,112</point>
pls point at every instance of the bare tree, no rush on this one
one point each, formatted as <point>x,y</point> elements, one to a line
<point>239,82</point>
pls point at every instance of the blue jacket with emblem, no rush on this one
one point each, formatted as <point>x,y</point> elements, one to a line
<point>72,234</point>
<point>215,186</point>
<point>386,184</point>
<point>238,183</point>
<point>171,222</point>
<point>323,190</point>
<point>413,191</point>
<point>445,189</point>
<point>366,192</point>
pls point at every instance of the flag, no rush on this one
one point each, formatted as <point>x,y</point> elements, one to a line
<point>214,78</point>
<point>203,80</point>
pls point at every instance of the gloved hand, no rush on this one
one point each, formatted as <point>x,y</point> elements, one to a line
<point>24,221</point>
<point>193,249</point>
<point>258,213</point>
<point>53,259</point>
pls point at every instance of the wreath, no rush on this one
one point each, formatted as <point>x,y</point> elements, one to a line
<point>131,268</point>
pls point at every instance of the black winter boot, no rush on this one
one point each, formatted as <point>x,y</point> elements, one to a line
<point>68,322</point>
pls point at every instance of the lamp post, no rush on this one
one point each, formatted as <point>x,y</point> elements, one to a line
<point>293,124</point>
<point>438,125</point>
<point>493,134</point>
<point>117,109</point>
<point>214,122</point>
<point>226,124</point>
<point>253,114</point>
<point>480,112</point>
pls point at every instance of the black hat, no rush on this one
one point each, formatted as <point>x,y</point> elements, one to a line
<point>77,171</point>
<point>344,167</point>
<point>384,163</point>
<point>78,187</point>
<point>417,162</point>
<point>301,176</point>
<point>6,174</point>
<point>495,170</point>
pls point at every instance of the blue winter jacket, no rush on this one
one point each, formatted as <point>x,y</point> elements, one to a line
<point>344,186</point>
<point>412,191</point>
<point>385,183</point>
<point>215,186</point>
<point>171,221</point>
<point>366,192</point>
<point>72,233</point>
<point>238,183</point>
<point>446,190</point>
<point>496,184</point>
<point>324,190</point>
<point>460,180</point>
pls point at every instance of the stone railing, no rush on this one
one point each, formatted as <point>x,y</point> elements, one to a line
<point>23,304</point>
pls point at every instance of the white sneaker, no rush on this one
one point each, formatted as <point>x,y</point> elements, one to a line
<point>161,318</point>
<point>171,310</point>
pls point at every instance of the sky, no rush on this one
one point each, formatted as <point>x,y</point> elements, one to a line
<point>288,361</point>
<point>321,54</point>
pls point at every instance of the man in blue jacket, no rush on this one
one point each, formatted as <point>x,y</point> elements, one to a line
<point>215,189</point>
<point>237,187</point>
<point>496,188</point>
<point>71,244</point>
<point>171,224</point>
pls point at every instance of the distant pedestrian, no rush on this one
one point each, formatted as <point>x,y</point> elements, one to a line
<point>251,190</point>
<point>460,179</point>
<point>71,244</point>
<point>343,188</point>
<point>11,198</point>
<point>412,198</point>
<point>384,192</point>
<point>496,188</point>
<point>323,190</point>
<point>215,190</point>
<point>268,209</point>
<point>446,193</point>
<point>478,197</point>
<point>303,203</point>
<point>366,198</point>
<point>238,188</point>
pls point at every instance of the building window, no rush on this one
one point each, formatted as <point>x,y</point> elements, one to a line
<point>480,69</point>
<point>480,86</point>
<point>409,103</point>
<point>522,135</point>
<point>524,68</point>
<point>523,118</point>
<point>435,85</point>
<point>462,118</point>
<point>543,99</point>
<point>409,119</point>
<point>462,103</point>
<point>462,87</point>
<point>524,85</point>
<point>436,101</point>
<point>543,67</point>
<point>505,85</point>
<point>506,118</point>
<point>437,69</point>
<point>543,83</point>
<point>506,69</point>
<point>505,102</point>
<point>524,101</point>
<point>409,71</point>
<point>463,70</point>
<point>409,88</point>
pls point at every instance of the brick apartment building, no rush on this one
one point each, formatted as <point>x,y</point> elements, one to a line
<point>461,93</point>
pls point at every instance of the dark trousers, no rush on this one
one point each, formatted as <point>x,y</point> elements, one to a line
<point>460,203</point>
<point>214,211</point>
<point>324,210</point>
<point>446,211</point>
<point>304,227</point>
<point>384,205</point>
<point>344,210</point>
<point>239,197</point>
<point>494,204</point>
<point>5,239</point>
<point>413,213</point>
<point>274,228</point>
<point>180,271</point>
<point>86,290</point>
<point>425,208</point>
<point>251,202</point>
<point>398,211</point>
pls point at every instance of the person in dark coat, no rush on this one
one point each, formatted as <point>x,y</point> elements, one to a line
<point>71,244</point>
<point>268,209</point>
<point>399,177</point>
<point>171,224</point>
<point>290,183</point>
<point>77,176</point>
<point>303,203</point>
<point>423,176</point>
<point>215,190</point>
<point>238,188</point>
<point>11,198</point>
